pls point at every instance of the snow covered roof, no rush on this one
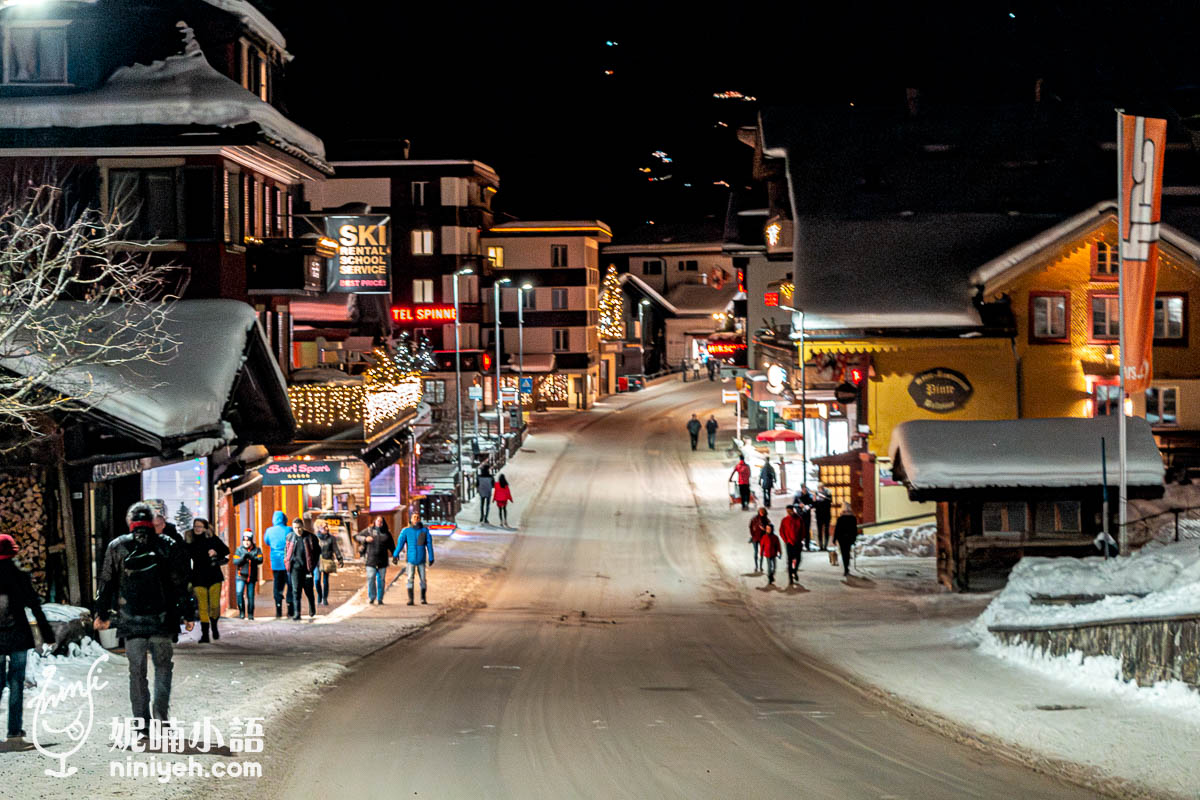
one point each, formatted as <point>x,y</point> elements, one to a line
<point>933,455</point>
<point>695,299</point>
<point>255,20</point>
<point>190,391</point>
<point>183,89</point>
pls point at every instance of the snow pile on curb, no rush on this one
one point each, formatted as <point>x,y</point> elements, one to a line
<point>915,542</point>
<point>1156,581</point>
<point>81,654</point>
<point>57,612</point>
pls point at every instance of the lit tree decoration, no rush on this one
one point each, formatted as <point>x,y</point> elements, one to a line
<point>612,307</point>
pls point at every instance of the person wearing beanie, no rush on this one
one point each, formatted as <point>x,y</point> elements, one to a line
<point>16,640</point>
<point>143,582</point>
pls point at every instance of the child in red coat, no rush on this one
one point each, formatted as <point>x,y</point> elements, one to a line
<point>769,544</point>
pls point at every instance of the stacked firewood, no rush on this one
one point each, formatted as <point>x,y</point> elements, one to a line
<point>23,516</point>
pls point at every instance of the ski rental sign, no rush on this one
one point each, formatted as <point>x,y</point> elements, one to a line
<point>363,264</point>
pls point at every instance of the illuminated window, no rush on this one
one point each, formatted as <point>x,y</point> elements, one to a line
<point>434,392</point>
<point>1168,317</point>
<point>35,51</point>
<point>254,72</point>
<point>652,267</point>
<point>423,290</point>
<point>1059,516</point>
<point>280,214</point>
<point>422,243</point>
<point>558,255</point>
<point>1160,405</point>
<point>496,256</point>
<point>1104,260</point>
<point>558,299</point>
<point>1048,316</point>
<point>1106,318</point>
<point>418,192</point>
<point>1106,399</point>
<point>562,339</point>
<point>1005,519</point>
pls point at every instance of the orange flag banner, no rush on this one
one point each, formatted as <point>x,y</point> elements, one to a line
<point>1142,147</point>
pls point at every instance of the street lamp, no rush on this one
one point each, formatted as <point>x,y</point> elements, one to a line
<point>458,379</point>
<point>525,287</point>
<point>499,403</point>
<point>642,335</point>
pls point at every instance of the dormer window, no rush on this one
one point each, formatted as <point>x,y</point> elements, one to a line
<point>1104,261</point>
<point>255,71</point>
<point>35,52</point>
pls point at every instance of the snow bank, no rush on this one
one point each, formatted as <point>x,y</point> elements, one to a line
<point>915,542</point>
<point>182,89</point>
<point>1158,580</point>
<point>57,612</point>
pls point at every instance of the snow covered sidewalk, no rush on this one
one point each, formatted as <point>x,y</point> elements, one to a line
<point>891,630</point>
<point>267,668</point>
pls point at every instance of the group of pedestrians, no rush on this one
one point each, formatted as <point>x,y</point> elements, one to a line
<point>376,545</point>
<point>795,534</point>
<point>301,563</point>
<point>493,490</point>
<point>710,427</point>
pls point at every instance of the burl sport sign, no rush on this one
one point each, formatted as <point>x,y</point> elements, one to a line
<point>940,390</point>
<point>363,264</point>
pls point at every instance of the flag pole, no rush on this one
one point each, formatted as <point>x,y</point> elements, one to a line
<point>1122,443</point>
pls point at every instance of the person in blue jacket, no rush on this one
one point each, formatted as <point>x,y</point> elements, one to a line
<point>419,541</point>
<point>276,539</point>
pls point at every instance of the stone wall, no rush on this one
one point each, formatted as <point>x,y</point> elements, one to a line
<point>23,516</point>
<point>1150,650</point>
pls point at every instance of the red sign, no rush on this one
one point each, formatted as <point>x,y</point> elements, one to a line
<point>724,348</point>
<point>771,299</point>
<point>404,314</point>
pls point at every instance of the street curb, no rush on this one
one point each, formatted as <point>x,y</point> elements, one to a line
<point>1080,774</point>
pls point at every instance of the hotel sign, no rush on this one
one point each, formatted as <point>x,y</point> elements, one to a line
<point>940,390</point>
<point>363,264</point>
<point>292,473</point>
<point>415,314</point>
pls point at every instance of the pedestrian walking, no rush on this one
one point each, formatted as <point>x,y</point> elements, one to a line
<point>484,485</point>
<point>375,545</point>
<point>711,428</point>
<point>792,533</point>
<point>502,496</point>
<point>418,541</point>
<point>276,539</point>
<point>246,562</point>
<point>758,524</point>
<point>16,639</point>
<point>844,533</point>
<point>164,528</point>
<point>328,563</point>
<point>693,429</point>
<point>712,369</point>
<point>822,509</point>
<point>302,554</point>
<point>209,554</point>
<point>803,501</point>
<point>769,546</point>
<point>741,471</point>
<point>144,582</point>
<point>766,479</point>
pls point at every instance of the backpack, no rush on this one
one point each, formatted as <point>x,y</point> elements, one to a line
<point>144,580</point>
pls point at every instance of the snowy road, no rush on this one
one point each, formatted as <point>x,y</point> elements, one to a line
<point>614,661</point>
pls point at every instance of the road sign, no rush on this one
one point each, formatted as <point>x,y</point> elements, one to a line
<point>508,394</point>
<point>729,396</point>
<point>527,385</point>
<point>475,392</point>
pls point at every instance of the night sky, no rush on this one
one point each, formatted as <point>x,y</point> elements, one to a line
<point>523,87</point>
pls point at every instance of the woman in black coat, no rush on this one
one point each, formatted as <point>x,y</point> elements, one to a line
<point>209,556</point>
<point>844,533</point>
<point>16,639</point>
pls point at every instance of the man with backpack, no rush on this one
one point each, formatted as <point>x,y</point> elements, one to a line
<point>144,581</point>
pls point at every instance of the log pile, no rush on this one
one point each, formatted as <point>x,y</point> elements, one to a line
<point>23,517</point>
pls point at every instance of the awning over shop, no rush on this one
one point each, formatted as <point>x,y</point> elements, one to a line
<point>940,459</point>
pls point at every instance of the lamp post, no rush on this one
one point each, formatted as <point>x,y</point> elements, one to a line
<point>458,380</point>
<point>525,287</point>
<point>499,403</point>
<point>798,316</point>
<point>642,335</point>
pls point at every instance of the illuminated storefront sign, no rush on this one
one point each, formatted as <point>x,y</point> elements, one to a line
<point>771,299</point>
<point>363,264</point>
<point>724,348</point>
<point>403,314</point>
<point>291,473</point>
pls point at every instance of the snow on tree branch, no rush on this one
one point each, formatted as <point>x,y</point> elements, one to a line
<point>75,295</point>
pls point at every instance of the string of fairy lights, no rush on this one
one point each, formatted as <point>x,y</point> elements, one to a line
<point>390,387</point>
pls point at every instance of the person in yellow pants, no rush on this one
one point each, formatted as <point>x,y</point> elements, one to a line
<point>209,555</point>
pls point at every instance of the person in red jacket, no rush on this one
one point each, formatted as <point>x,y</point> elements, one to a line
<point>791,530</point>
<point>742,471</point>
<point>769,546</point>
<point>758,524</point>
<point>502,496</point>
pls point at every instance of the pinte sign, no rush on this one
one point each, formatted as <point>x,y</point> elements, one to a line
<point>292,473</point>
<point>940,390</point>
